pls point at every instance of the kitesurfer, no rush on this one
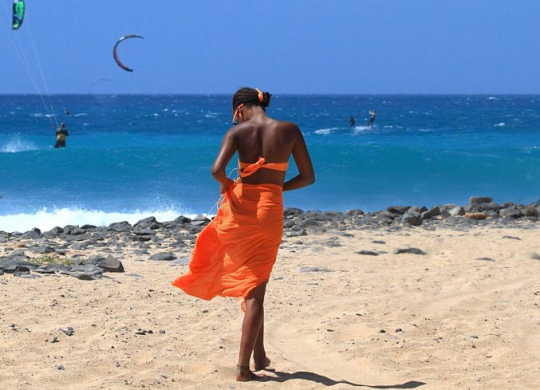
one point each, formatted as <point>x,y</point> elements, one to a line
<point>372,115</point>
<point>61,135</point>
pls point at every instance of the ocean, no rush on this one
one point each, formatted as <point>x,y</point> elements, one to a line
<point>133,156</point>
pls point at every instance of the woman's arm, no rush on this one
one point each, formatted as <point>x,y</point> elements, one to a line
<point>226,152</point>
<point>306,174</point>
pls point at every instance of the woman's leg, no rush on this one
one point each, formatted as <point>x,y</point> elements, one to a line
<point>259,353</point>
<point>251,328</point>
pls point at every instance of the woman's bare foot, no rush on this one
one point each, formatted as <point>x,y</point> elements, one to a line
<point>244,374</point>
<point>261,364</point>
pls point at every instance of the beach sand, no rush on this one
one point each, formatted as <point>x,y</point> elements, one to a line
<point>465,315</point>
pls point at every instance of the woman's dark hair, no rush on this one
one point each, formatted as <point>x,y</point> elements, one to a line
<point>251,96</point>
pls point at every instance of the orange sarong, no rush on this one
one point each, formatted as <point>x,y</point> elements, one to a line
<point>236,251</point>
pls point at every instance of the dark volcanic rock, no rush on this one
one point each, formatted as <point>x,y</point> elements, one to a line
<point>163,256</point>
<point>44,250</point>
<point>84,272</point>
<point>120,227</point>
<point>414,251</point>
<point>397,209</point>
<point>367,253</point>
<point>531,211</point>
<point>477,201</point>
<point>413,218</point>
<point>110,264</point>
<point>292,212</point>
<point>435,211</point>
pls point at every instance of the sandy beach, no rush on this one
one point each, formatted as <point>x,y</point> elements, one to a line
<point>463,315</point>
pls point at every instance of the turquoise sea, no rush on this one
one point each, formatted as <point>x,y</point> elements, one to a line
<point>133,156</point>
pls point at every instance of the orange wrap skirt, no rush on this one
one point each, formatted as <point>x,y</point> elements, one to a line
<point>236,251</point>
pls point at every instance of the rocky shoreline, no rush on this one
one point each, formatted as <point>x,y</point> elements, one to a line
<point>65,250</point>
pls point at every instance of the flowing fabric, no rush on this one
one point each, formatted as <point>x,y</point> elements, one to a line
<point>236,251</point>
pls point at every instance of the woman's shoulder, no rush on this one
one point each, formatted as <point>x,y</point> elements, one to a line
<point>287,125</point>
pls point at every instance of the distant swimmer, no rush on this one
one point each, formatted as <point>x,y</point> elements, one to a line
<point>66,112</point>
<point>61,135</point>
<point>353,121</point>
<point>372,115</point>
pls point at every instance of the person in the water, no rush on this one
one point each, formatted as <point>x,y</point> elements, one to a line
<point>372,115</point>
<point>61,135</point>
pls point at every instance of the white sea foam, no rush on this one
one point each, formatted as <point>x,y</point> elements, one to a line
<point>17,145</point>
<point>48,219</point>
<point>324,131</point>
<point>359,129</point>
<point>500,124</point>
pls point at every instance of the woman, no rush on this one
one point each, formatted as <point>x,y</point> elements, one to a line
<point>235,253</point>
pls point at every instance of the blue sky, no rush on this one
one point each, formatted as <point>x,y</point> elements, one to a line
<point>284,46</point>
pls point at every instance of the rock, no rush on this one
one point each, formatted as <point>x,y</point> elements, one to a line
<point>292,212</point>
<point>68,331</point>
<point>84,272</point>
<point>511,213</point>
<point>33,234</point>
<point>457,211</point>
<point>142,238</point>
<point>44,250</point>
<point>77,231</point>
<point>477,201</point>
<point>120,227</point>
<point>354,213</point>
<point>397,209</point>
<point>17,253</point>
<point>308,223</point>
<point>435,211</point>
<point>145,221</point>
<point>426,215</point>
<point>534,256</point>
<point>414,251</point>
<point>386,214</point>
<point>413,218</point>
<point>531,211</point>
<point>367,253</point>
<point>56,230</point>
<point>385,221</point>
<point>110,264</point>
<point>163,256</point>
<point>143,232</point>
<point>314,269</point>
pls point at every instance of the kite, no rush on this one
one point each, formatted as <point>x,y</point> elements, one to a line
<point>115,54</point>
<point>18,14</point>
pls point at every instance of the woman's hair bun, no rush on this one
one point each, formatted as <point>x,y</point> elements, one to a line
<point>266,99</point>
<point>250,95</point>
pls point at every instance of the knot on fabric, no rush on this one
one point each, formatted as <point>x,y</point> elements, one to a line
<point>252,168</point>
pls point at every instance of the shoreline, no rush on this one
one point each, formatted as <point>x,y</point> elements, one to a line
<point>354,300</point>
<point>391,215</point>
